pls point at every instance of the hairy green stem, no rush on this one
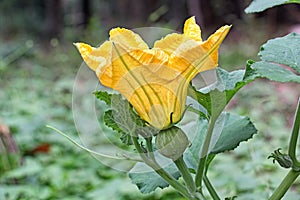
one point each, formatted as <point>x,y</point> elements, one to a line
<point>204,151</point>
<point>285,185</point>
<point>210,188</point>
<point>160,171</point>
<point>186,175</point>
<point>294,137</point>
<point>124,156</point>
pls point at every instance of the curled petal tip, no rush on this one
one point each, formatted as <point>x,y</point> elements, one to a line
<point>115,31</point>
<point>127,38</point>
<point>84,49</point>
<point>226,27</point>
<point>192,30</point>
<point>78,44</point>
<point>192,18</point>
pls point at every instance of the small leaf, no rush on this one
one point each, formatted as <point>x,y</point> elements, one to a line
<point>149,180</point>
<point>261,5</point>
<point>227,80</point>
<point>250,73</point>
<point>126,139</point>
<point>110,121</point>
<point>121,117</point>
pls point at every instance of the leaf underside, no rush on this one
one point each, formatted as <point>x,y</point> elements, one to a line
<point>280,59</point>
<point>148,181</point>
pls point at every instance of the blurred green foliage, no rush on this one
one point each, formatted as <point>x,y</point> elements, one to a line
<point>36,90</point>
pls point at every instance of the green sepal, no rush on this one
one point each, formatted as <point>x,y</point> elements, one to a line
<point>171,142</point>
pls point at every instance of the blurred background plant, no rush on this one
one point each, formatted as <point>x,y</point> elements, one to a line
<point>38,64</point>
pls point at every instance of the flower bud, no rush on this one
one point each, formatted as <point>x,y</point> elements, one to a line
<point>284,160</point>
<point>171,142</point>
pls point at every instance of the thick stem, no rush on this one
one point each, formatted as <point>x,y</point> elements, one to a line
<point>160,171</point>
<point>186,175</point>
<point>211,188</point>
<point>285,185</point>
<point>204,152</point>
<point>294,137</point>
<point>175,184</point>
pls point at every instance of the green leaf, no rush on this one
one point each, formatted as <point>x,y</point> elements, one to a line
<point>121,117</point>
<point>236,130</point>
<point>110,121</point>
<point>277,56</point>
<point>149,180</point>
<point>108,190</point>
<point>250,74</point>
<point>284,50</point>
<point>261,5</point>
<point>275,72</point>
<point>216,96</point>
<point>31,168</point>
<point>230,130</point>
<point>192,154</point>
<point>230,79</point>
<point>218,102</point>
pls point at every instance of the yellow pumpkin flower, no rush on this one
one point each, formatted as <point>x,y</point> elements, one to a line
<point>154,80</point>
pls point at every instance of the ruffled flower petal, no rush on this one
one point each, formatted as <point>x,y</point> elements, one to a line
<point>192,30</point>
<point>127,39</point>
<point>99,60</point>
<point>145,80</point>
<point>170,43</point>
<point>154,81</point>
<point>214,41</point>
